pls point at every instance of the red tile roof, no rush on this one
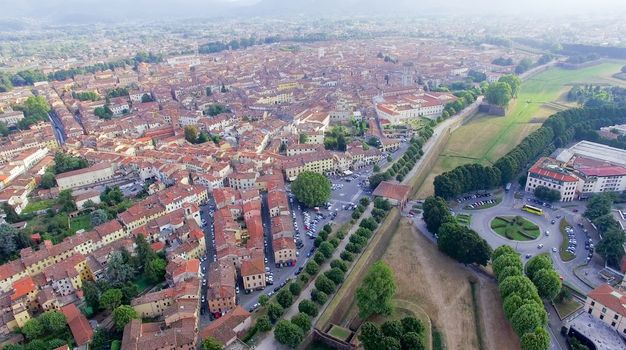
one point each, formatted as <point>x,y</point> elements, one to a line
<point>81,330</point>
<point>392,190</point>
<point>609,297</point>
<point>22,287</point>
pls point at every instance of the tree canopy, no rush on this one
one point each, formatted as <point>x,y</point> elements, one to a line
<point>463,244</point>
<point>376,291</point>
<point>311,189</point>
<point>499,93</point>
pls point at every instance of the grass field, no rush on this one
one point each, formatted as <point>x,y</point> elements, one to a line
<point>339,332</point>
<point>38,205</point>
<point>563,253</point>
<point>516,228</point>
<point>486,138</point>
<point>464,219</point>
<point>567,307</point>
<point>441,287</point>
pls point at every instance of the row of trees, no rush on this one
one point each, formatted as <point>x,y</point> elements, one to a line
<point>502,91</point>
<point>557,131</point>
<point>401,167</point>
<point>612,239</point>
<point>454,239</point>
<point>370,298</point>
<point>547,194</point>
<point>403,334</point>
<point>521,302</point>
<point>31,76</point>
<point>192,135</point>
<point>464,99</point>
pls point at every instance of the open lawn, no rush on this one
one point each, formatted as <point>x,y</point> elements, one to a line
<point>339,332</point>
<point>82,222</point>
<point>486,138</point>
<point>516,228</point>
<point>38,205</point>
<point>440,286</point>
<point>567,307</point>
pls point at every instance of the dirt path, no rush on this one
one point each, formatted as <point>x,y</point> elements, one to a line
<point>441,287</point>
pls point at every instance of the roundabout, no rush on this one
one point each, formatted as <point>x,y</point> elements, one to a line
<point>515,228</point>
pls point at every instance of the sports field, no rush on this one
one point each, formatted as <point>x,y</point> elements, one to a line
<point>486,138</point>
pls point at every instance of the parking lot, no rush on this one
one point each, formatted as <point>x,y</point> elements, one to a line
<point>345,194</point>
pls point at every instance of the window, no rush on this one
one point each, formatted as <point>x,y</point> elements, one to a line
<point>615,317</point>
<point>603,310</point>
<point>589,311</point>
<point>602,317</point>
<point>613,324</point>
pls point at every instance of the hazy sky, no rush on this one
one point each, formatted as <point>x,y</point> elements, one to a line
<point>74,10</point>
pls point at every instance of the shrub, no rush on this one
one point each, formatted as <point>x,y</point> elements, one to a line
<point>324,284</point>
<point>295,287</point>
<point>284,298</point>
<point>263,324</point>
<point>319,296</point>
<point>312,268</point>
<point>347,256</point>
<point>303,321</point>
<point>308,307</point>
<point>339,264</point>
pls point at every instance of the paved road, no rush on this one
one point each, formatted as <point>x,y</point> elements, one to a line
<point>59,130</point>
<point>269,342</point>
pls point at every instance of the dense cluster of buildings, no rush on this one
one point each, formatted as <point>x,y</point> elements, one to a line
<point>256,122</point>
<point>580,171</point>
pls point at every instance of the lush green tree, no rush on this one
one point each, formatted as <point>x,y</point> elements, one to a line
<point>33,329</point>
<point>295,287</point>
<point>346,256</point>
<point>375,293</point>
<point>517,284</point>
<point>508,271</point>
<point>210,343</point>
<point>326,249</point>
<point>413,341</point>
<point>511,303</point>
<point>119,270</point>
<point>547,282</point>
<point>503,250</point>
<point>499,93</point>
<point>274,311</point>
<point>598,205</point>
<point>284,298</point>
<point>463,244</point>
<point>537,340</point>
<point>436,212</point>
<point>111,299</point>
<point>263,324</point>
<point>66,201</point>
<point>92,294</point>
<point>503,261</point>
<point>308,307</point>
<point>537,263</point>
<point>191,134</point>
<point>100,339</point>
<point>339,264</point>
<point>311,189</point>
<point>155,270</point>
<point>392,328</point>
<point>547,194</point>
<point>53,322</point>
<point>311,268</point>
<point>145,254</point>
<point>412,324</point>
<point>288,333</point>
<point>98,217</point>
<point>371,337</point>
<point>122,315</point>
<point>36,107</point>
<point>514,82</point>
<point>303,321</point>
<point>263,299</point>
<point>47,181</point>
<point>56,343</point>
<point>392,343</point>
<point>610,246</point>
<point>528,317</point>
<point>324,284</point>
<point>303,138</point>
<point>335,274</point>
<point>319,297</point>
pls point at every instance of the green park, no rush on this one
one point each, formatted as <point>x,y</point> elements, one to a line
<point>486,138</point>
<point>515,228</point>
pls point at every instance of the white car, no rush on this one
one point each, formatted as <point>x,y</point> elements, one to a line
<point>554,250</point>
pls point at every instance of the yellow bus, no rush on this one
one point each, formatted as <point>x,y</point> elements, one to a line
<point>533,210</point>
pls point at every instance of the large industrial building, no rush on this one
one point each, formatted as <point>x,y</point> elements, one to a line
<point>580,171</point>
